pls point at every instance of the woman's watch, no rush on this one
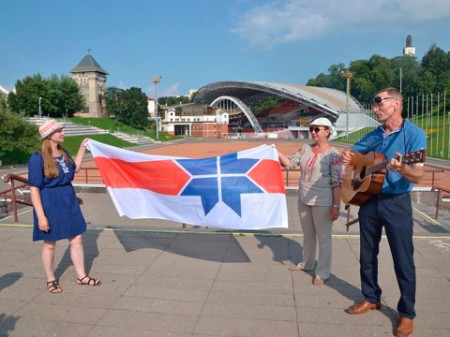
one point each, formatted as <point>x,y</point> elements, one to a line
<point>337,206</point>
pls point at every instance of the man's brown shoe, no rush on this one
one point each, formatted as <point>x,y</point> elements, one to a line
<point>362,307</point>
<point>405,327</point>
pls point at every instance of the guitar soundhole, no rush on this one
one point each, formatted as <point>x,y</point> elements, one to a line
<point>357,182</point>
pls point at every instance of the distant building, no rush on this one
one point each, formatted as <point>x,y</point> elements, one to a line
<point>409,49</point>
<point>91,79</point>
<point>195,120</point>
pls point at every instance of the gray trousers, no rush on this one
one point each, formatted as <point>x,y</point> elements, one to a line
<point>317,228</point>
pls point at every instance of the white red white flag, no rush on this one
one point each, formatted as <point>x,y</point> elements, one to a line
<point>241,190</point>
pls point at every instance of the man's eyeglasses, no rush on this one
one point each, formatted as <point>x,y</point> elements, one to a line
<point>314,129</point>
<point>378,100</point>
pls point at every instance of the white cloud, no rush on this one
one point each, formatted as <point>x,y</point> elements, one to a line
<point>278,22</point>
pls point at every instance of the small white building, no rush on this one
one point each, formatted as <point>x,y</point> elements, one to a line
<point>195,120</point>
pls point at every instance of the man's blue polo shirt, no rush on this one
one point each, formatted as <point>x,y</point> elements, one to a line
<point>408,138</point>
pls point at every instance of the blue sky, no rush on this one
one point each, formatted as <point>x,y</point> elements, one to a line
<point>191,43</point>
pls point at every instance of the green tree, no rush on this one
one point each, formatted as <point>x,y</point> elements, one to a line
<point>431,74</point>
<point>57,95</point>
<point>69,99</point>
<point>128,106</point>
<point>382,74</point>
<point>428,82</point>
<point>362,83</point>
<point>437,63</point>
<point>136,110</point>
<point>26,99</point>
<point>331,80</point>
<point>114,101</point>
<point>407,74</point>
<point>173,100</point>
<point>17,135</point>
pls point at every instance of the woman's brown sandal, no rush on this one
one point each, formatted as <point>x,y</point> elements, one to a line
<point>53,287</point>
<point>89,282</point>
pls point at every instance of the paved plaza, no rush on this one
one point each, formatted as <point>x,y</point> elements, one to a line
<point>160,279</point>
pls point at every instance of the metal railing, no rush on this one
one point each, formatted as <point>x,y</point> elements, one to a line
<point>440,190</point>
<point>88,176</point>
<point>14,196</point>
<point>11,197</point>
<point>91,176</point>
<point>291,177</point>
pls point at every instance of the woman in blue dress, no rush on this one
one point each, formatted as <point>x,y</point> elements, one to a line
<point>56,210</point>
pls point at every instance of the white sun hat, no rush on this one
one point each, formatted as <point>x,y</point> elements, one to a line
<point>322,121</point>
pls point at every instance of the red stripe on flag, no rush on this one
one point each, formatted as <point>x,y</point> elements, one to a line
<point>161,176</point>
<point>268,175</point>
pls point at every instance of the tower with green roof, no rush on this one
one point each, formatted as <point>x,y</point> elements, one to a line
<point>91,79</point>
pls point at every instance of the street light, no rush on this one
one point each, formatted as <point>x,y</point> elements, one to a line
<point>348,75</point>
<point>40,109</point>
<point>156,80</point>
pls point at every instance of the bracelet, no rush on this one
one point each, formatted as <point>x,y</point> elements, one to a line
<point>337,206</point>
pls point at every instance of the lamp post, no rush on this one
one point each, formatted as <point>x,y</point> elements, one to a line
<point>40,109</point>
<point>156,80</point>
<point>348,75</point>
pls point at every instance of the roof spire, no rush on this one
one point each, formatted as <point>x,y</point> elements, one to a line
<point>88,64</point>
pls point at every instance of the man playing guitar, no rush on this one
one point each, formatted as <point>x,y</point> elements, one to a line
<point>391,208</point>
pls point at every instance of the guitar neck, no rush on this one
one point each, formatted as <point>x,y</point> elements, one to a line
<point>377,167</point>
<point>409,158</point>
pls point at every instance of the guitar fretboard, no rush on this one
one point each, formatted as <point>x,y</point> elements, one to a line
<point>377,167</point>
<point>409,158</point>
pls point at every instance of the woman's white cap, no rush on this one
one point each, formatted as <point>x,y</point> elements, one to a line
<point>322,121</point>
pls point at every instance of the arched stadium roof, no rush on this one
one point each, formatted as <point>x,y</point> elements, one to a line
<point>330,102</point>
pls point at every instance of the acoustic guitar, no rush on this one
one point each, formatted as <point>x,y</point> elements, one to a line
<point>366,178</point>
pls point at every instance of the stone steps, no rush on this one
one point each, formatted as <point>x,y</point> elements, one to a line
<point>135,139</point>
<point>73,129</point>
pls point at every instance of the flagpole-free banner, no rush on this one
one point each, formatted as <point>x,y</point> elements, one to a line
<point>241,190</point>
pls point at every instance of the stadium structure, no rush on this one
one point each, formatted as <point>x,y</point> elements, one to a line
<point>267,107</point>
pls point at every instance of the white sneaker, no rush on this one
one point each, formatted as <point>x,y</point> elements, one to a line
<point>299,267</point>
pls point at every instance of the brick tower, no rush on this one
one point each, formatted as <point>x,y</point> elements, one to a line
<point>91,79</point>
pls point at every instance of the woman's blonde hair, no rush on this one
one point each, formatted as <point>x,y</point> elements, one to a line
<point>50,168</point>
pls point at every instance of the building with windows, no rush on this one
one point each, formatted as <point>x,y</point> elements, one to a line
<point>195,120</point>
<point>91,79</point>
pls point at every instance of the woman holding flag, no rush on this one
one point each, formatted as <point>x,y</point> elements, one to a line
<point>319,197</point>
<point>56,211</point>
